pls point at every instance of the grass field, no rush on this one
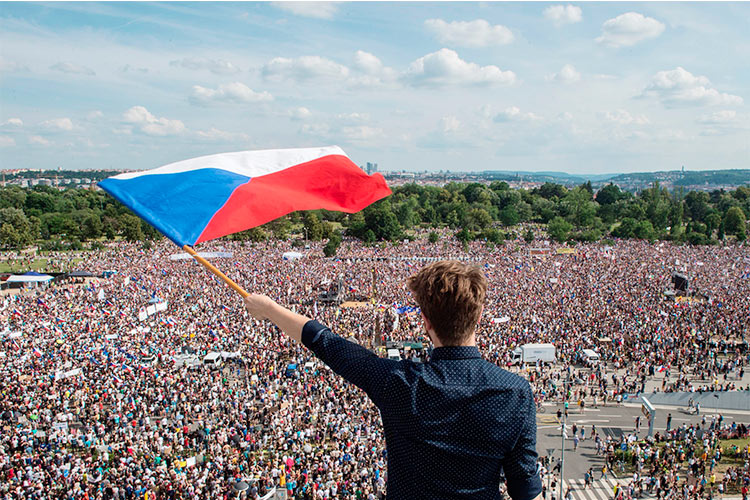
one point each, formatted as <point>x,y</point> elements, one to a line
<point>14,266</point>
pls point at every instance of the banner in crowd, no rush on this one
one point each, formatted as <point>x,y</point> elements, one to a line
<point>205,255</point>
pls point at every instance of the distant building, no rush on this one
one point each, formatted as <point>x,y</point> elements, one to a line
<point>371,168</point>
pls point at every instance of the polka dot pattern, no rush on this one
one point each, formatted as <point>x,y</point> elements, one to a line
<point>452,425</point>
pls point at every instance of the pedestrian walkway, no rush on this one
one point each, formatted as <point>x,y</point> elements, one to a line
<point>604,489</point>
<point>600,489</point>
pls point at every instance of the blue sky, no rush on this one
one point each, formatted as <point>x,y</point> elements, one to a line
<point>574,87</point>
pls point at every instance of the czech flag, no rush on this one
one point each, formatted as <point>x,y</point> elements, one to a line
<point>204,198</point>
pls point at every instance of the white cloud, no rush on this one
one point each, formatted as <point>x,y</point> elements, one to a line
<point>344,127</point>
<point>514,113</point>
<point>303,69</point>
<point>235,92</point>
<point>6,142</point>
<point>353,117</point>
<point>128,69</point>
<point>477,33</point>
<point>361,132</point>
<point>317,129</point>
<point>372,71</point>
<point>623,117</point>
<point>73,69</point>
<point>216,66</point>
<point>148,124</point>
<point>300,113</point>
<point>39,140</point>
<point>58,124</point>
<point>679,87</point>
<point>450,124</point>
<point>7,66</point>
<point>719,117</point>
<point>450,132</point>
<point>12,122</point>
<point>628,29</point>
<point>318,10</point>
<point>95,115</point>
<point>563,14</point>
<point>567,74</point>
<point>367,63</point>
<point>444,67</point>
<point>214,134</point>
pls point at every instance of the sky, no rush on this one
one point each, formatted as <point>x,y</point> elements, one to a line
<point>583,88</point>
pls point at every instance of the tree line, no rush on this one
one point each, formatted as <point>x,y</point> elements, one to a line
<point>61,219</point>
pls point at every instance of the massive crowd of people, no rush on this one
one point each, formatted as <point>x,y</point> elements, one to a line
<point>94,404</point>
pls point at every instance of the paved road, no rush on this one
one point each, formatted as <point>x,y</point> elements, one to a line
<point>609,420</point>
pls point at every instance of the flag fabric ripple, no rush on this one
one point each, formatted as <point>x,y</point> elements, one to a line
<point>208,197</point>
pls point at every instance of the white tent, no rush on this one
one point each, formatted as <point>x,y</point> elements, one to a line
<point>291,255</point>
<point>29,278</point>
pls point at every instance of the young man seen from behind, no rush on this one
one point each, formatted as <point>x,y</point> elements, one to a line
<point>452,425</point>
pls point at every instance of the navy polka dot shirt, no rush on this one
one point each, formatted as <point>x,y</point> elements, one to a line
<point>451,425</point>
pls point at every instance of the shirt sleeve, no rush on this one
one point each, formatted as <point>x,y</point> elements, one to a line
<point>354,363</point>
<point>520,464</point>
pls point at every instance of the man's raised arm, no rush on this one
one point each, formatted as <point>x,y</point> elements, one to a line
<point>355,363</point>
<point>262,307</point>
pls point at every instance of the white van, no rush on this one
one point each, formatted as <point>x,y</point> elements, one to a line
<point>213,360</point>
<point>590,356</point>
<point>393,354</point>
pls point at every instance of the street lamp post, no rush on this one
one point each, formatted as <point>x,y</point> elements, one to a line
<point>562,435</point>
<point>550,451</point>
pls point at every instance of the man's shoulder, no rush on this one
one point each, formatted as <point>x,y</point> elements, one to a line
<point>504,377</point>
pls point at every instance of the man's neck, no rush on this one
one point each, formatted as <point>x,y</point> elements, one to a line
<point>469,342</point>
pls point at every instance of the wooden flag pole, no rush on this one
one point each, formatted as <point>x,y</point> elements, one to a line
<point>237,288</point>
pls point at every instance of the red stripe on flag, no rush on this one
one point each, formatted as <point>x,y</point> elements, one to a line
<point>332,182</point>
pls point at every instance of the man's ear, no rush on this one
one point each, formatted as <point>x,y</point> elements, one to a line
<point>427,324</point>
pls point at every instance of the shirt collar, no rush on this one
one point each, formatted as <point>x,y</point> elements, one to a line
<point>455,352</point>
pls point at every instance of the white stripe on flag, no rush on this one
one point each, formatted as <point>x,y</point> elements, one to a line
<point>247,163</point>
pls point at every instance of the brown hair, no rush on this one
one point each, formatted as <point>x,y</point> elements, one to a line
<point>451,295</point>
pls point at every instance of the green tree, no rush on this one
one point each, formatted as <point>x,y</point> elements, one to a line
<point>509,216</point>
<point>543,209</point>
<point>9,237</point>
<point>17,220</point>
<point>149,231</point>
<point>626,229</point>
<point>464,235</point>
<point>12,197</point>
<point>478,219</point>
<point>92,227</point>
<point>609,194</point>
<point>329,250</point>
<point>551,191</point>
<point>433,237</point>
<point>327,229</point>
<point>559,229</point>
<point>131,227</point>
<point>493,235</point>
<point>280,228</point>
<point>734,223</point>
<point>313,226</point>
<point>383,222</point>
<point>697,205</point>
<point>580,207</point>
<point>528,236</point>
<point>675,217</point>
<point>713,220</point>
